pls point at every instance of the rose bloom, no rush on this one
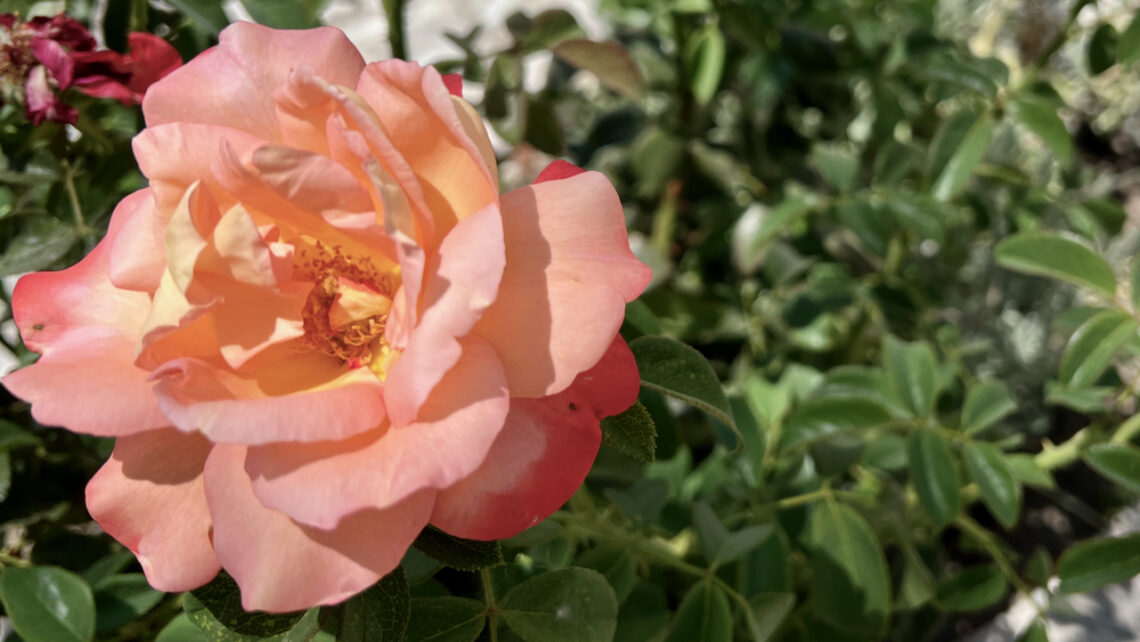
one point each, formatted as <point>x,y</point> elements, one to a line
<point>321,328</point>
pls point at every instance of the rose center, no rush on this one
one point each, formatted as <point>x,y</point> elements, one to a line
<point>346,312</point>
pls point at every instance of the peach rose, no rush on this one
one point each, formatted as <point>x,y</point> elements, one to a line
<point>322,328</point>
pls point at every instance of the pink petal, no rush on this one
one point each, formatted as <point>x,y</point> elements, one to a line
<point>282,566</point>
<point>308,398</point>
<point>320,483</point>
<point>41,103</point>
<point>454,84</point>
<point>175,156</point>
<point>558,170</point>
<point>149,497</point>
<point>460,283</point>
<point>542,455</point>
<point>137,257</point>
<point>233,83</point>
<point>52,55</point>
<point>569,275</point>
<point>417,111</point>
<point>86,331</point>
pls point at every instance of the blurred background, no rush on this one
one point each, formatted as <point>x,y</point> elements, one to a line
<point>835,197</point>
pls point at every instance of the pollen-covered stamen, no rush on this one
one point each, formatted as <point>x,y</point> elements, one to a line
<point>347,310</point>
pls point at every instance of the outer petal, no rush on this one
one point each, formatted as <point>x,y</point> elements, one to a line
<point>86,331</point>
<point>319,483</point>
<point>233,84</point>
<point>281,566</point>
<point>137,258</point>
<point>569,274</point>
<point>542,455</point>
<point>309,398</point>
<point>149,497</point>
<point>460,283</point>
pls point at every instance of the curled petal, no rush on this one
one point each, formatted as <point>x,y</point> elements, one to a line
<point>149,497</point>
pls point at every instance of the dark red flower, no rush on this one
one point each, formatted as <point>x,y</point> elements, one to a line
<point>43,55</point>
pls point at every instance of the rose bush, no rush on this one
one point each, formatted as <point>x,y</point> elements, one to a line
<point>321,328</point>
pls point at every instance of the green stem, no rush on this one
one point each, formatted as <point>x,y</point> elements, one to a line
<point>986,539</point>
<point>10,560</point>
<point>394,10</point>
<point>81,227</point>
<point>489,599</point>
<point>665,218</point>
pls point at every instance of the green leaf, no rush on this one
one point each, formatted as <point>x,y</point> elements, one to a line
<point>1040,117</point>
<point>567,605</point>
<point>284,14</point>
<point>617,564</point>
<point>446,619</point>
<point>13,436</point>
<point>973,589</point>
<point>825,416</point>
<point>1036,633</point>
<point>1024,467</point>
<point>548,29</point>
<point>759,227</point>
<point>703,615</point>
<point>632,432</point>
<point>675,369</point>
<point>1093,345</point>
<point>458,553</point>
<point>216,609</point>
<point>838,166</point>
<point>987,403</point>
<point>543,130</point>
<point>912,370</point>
<point>947,140</point>
<point>1044,254</point>
<point>43,242</point>
<point>960,166</point>
<point>207,15</point>
<point>932,472</point>
<point>704,62</point>
<point>121,599</point>
<point>379,614</point>
<point>609,61</point>
<point>1118,462</point>
<point>644,614</point>
<point>1102,51</point>
<point>718,544</point>
<point>917,587</point>
<point>1136,282</point>
<point>48,604</point>
<point>1128,47</point>
<point>1001,492</point>
<point>504,101</point>
<point>181,629</point>
<point>1093,563</point>
<point>852,586</point>
<point>766,613</point>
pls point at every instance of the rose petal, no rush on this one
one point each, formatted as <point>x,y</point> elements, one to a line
<point>281,566</point>
<point>85,330</point>
<point>542,455</point>
<point>460,284</point>
<point>318,484</point>
<point>149,497</point>
<point>232,84</point>
<point>568,276</point>
<point>309,398</point>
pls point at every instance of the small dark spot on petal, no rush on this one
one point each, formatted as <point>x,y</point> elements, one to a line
<point>38,326</point>
<point>573,406</point>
